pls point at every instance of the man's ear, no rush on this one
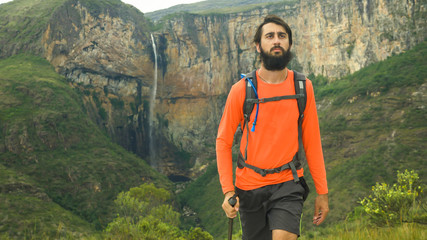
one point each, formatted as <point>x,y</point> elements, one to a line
<point>257,48</point>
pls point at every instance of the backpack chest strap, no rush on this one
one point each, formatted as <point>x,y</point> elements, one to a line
<point>241,163</point>
<point>272,99</point>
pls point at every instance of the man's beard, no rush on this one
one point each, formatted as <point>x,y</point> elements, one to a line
<point>275,63</point>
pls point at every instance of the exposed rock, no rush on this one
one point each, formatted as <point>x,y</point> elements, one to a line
<point>109,56</point>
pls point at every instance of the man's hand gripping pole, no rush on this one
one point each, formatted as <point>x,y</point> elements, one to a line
<point>232,201</point>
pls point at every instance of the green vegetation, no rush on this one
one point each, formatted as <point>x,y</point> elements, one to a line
<point>117,103</point>
<point>372,124</point>
<point>394,212</point>
<point>360,230</point>
<point>24,13</point>
<point>228,7</point>
<point>25,21</point>
<point>47,140</point>
<point>350,50</point>
<point>205,197</point>
<point>28,213</point>
<point>393,204</point>
<point>145,213</point>
<point>404,70</point>
<point>96,8</point>
<point>216,7</point>
<point>115,8</point>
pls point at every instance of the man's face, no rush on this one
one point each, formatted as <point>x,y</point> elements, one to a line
<point>274,47</point>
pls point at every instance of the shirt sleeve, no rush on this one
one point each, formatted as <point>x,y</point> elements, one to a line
<point>312,142</point>
<point>232,116</point>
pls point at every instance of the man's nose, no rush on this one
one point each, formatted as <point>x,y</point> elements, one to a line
<point>276,40</point>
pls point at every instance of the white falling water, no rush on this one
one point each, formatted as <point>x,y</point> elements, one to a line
<point>151,109</point>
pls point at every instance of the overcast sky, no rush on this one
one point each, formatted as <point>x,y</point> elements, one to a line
<point>149,5</point>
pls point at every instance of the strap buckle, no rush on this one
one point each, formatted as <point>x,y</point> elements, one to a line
<point>247,117</point>
<point>294,171</point>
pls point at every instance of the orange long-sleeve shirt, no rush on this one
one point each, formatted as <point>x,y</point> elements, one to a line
<point>275,140</point>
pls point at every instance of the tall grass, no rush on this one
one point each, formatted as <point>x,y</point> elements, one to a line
<point>361,231</point>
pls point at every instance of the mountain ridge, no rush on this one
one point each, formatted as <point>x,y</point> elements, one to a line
<point>209,6</point>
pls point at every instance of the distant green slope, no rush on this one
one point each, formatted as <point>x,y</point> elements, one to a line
<point>372,122</point>
<point>223,6</point>
<point>28,213</point>
<point>46,137</point>
<point>22,23</point>
<point>204,196</point>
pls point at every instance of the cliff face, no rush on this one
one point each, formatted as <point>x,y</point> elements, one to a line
<point>110,58</point>
<point>335,38</point>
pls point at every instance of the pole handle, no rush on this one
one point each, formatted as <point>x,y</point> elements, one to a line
<point>232,201</point>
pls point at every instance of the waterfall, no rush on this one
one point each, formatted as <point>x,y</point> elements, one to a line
<point>152,147</point>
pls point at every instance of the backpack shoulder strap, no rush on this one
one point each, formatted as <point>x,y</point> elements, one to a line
<point>300,88</point>
<point>250,94</point>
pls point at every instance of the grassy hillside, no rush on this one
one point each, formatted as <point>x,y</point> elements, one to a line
<point>28,212</point>
<point>53,157</point>
<point>209,6</point>
<point>372,124</point>
<point>22,24</point>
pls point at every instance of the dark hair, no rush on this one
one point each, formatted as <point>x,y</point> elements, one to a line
<point>276,20</point>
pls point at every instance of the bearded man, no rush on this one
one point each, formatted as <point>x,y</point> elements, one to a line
<point>270,202</point>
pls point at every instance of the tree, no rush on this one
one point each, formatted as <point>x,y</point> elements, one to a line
<point>144,213</point>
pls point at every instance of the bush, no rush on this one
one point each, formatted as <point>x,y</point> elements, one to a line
<point>198,234</point>
<point>143,213</point>
<point>392,204</point>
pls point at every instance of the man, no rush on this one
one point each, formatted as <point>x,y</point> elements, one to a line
<point>270,206</point>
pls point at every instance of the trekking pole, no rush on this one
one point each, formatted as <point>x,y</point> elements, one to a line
<point>232,201</point>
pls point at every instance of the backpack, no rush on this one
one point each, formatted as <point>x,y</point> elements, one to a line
<point>251,99</point>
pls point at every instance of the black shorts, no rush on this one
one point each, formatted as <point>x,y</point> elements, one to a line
<point>271,207</point>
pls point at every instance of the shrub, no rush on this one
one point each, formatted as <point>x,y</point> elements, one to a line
<point>143,213</point>
<point>198,234</point>
<point>392,204</point>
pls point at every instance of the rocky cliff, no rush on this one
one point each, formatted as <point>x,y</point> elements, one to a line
<point>104,49</point>
<point>108,56</point>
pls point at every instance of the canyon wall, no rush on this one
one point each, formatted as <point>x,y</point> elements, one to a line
<point>108,56</point>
